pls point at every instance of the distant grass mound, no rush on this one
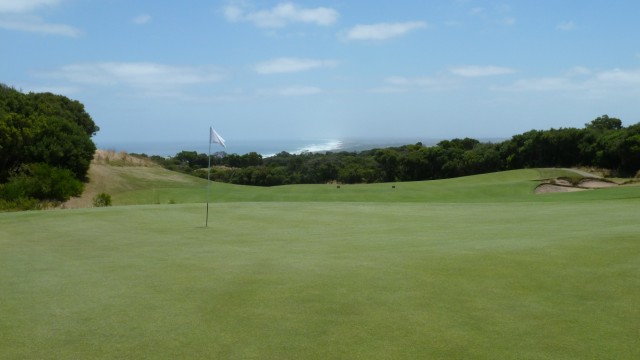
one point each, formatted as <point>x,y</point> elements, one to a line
<point>118,174</point>
<point>469,268</point>
<point>135,181</point>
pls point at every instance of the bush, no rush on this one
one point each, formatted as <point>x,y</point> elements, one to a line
<point>20,204</point>
<point>42,182</point>
<point>102,200</point>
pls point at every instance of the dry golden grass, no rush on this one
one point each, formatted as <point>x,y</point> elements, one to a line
<point>113,172</point>
<point>113,158</point>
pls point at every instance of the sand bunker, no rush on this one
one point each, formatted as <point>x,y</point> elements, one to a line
<point>553,188</point>
<point>595,184</point>
<point>560,185</point>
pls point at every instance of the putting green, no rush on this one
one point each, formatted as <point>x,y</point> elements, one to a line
<point>516,278</point>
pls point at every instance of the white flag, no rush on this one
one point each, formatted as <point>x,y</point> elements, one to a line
<point>215,138</point>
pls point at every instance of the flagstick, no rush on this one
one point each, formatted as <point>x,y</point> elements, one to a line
<point>206,223</point>
<point>213,137</point>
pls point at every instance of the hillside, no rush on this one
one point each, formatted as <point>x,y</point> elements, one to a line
<point>132,181</point>
<point>117,173</point>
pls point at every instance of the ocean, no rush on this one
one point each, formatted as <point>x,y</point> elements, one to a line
<point>265,148</point>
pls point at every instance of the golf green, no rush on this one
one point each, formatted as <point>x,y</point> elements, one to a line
<point>552,279</point>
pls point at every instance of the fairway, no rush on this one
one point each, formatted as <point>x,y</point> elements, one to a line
<point>277,275</point>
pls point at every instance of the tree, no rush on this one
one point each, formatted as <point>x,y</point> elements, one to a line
<point>15,131</point>
<point>388,162</point>
<point>45,148</point>
<point>62,144</point>
<point>603,142</point>
<point>413,165</point>
<point>44,128</point>
<point>604,122</point>
<point>51,105</point>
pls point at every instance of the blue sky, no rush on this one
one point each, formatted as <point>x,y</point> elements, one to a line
<point>261,69</point>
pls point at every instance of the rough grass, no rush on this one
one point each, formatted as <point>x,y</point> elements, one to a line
<point>475,267</point>
<point>119,181</point>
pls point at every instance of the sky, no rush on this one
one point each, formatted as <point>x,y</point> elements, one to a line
<point>156,70</point>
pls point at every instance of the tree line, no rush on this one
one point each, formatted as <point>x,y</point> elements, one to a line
<point>602,143</point>
<point>45,148</point>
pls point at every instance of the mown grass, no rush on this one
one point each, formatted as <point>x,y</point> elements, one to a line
<point>461,272</point>
<point>509,186</point>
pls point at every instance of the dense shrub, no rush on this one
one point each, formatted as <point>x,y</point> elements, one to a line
<point>43,182</point>
<point>102,200</point>
<point>20,204</point>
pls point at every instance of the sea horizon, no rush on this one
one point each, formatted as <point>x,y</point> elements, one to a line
<point>266,148</point>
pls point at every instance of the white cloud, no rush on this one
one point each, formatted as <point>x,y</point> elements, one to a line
<point>399,84</point>
<point>290,65</point>
<point>389,90</point>
<point>24,6</point>
<point>136,74</point>
<point>480,71</point>
<point>578,71</point>
<point>233,13</point>
<point>500,14</point>
<point>142,19</point>
<point>291,91</point>
<point>383,31</point>
<point>476,11</point>
<point>281,15</point>
<point>36,25</point>
<point>620,77</point>
<point>509,21</point>
<point>616,81</point>
<point>416,81</point>
<point>566,26</point>
<point>543,84</point>
<point>18,15</point>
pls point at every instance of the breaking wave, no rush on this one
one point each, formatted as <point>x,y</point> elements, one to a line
<point>330,145</point>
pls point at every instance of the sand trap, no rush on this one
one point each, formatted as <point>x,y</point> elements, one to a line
<point>595,184</point>
<point>563,182</point>
<point>560,185</point>
<point>552,188</point>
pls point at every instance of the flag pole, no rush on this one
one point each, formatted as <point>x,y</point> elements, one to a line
<point>206,223</point>
<point>214,137</point>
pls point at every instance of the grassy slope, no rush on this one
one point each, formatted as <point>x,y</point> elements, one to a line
<point>474,267</point>
<point>121,181</point>
<point>154,185</point>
